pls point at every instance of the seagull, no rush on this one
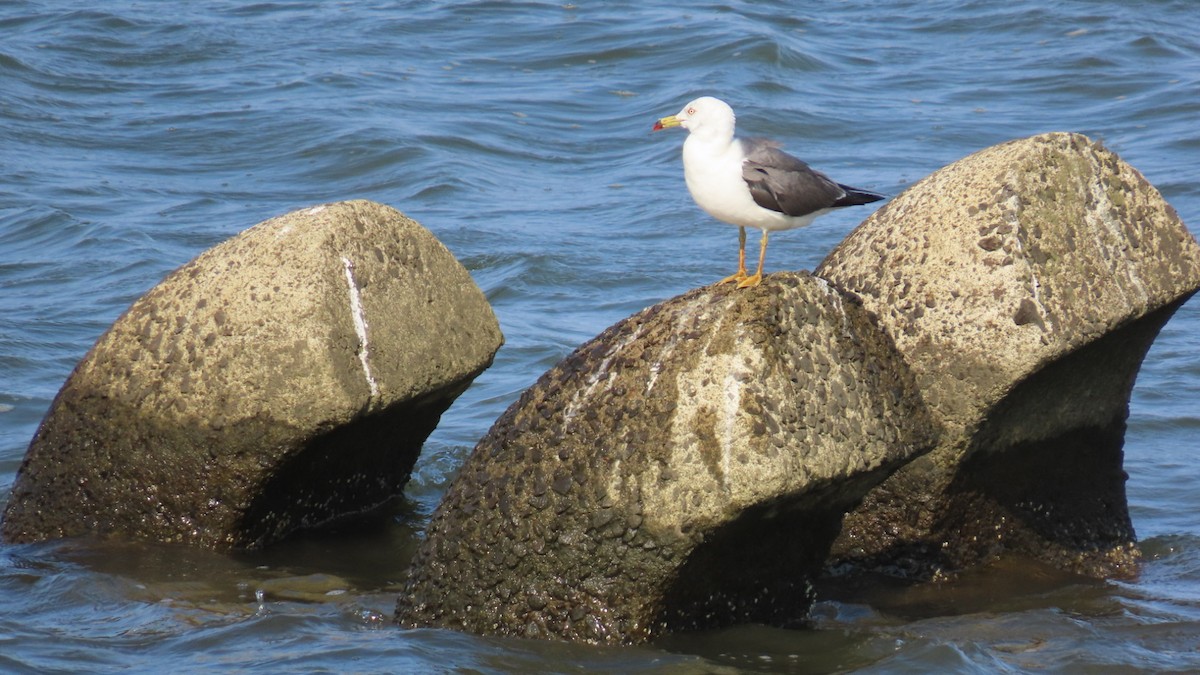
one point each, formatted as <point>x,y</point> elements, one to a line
<point>750,182</point>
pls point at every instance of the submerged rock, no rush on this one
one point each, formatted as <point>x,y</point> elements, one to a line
<point>283,379</point>
<point>687,468</point>
<point>1023,286</point>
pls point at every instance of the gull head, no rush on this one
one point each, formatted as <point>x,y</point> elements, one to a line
<point>705,114</point>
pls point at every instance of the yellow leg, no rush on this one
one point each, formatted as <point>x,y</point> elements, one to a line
<point>740,275</point>
<point>762,255</point>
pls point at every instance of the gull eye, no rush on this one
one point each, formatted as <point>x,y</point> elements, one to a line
<point>691,111</point>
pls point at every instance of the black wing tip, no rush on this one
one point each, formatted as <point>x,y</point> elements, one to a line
<point>856,197</point>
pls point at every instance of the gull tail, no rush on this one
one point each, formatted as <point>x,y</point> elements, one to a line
<point>855,196</point>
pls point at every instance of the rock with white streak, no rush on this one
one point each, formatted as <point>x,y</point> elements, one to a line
<point>283,379</point>
<point>688,467</point>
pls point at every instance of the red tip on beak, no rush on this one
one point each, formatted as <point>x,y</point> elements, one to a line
<point>658,126</point>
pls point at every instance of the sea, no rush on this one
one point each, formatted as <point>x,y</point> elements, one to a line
<point>135,135</point>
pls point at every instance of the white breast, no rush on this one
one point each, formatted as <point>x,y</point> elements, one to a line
<point>714,177</point>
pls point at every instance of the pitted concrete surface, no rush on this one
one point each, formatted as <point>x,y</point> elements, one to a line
<point>282,379</point>
<point>1023,286</point>
<point>686,468</point>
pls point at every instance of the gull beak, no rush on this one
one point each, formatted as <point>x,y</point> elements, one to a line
<point>666,123</point>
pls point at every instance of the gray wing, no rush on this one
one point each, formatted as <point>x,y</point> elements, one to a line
<point>780,182</point>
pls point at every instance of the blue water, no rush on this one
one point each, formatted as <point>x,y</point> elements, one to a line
<point>135,135</point>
